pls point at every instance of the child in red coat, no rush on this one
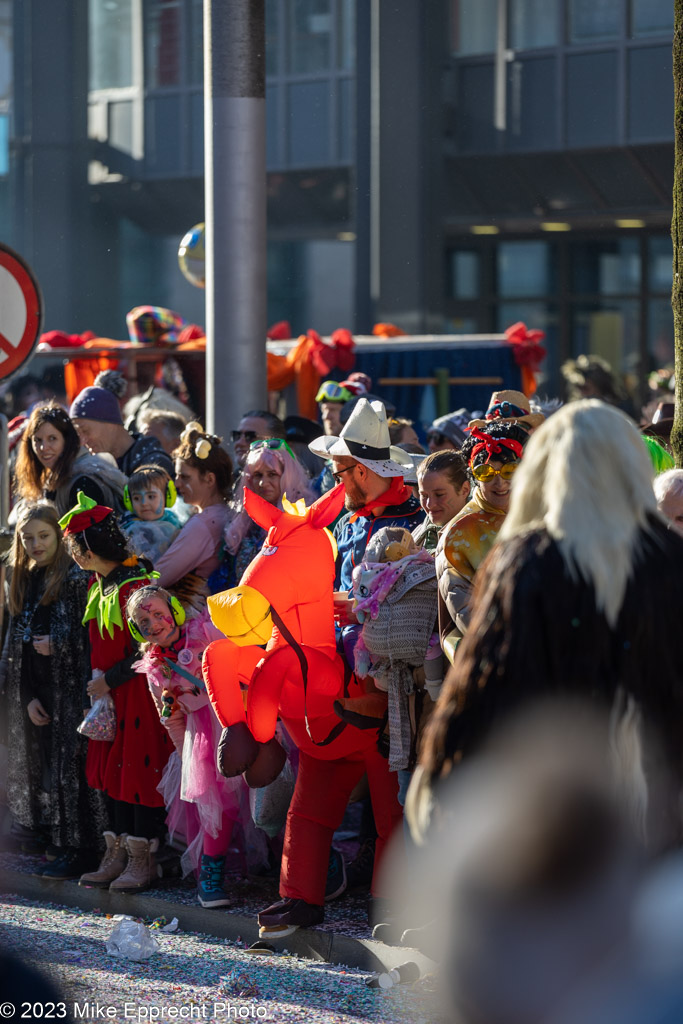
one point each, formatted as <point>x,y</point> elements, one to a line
<point>129,768</point>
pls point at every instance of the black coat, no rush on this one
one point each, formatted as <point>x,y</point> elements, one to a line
<point>535,631</point>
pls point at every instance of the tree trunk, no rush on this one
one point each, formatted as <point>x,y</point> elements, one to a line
<point>677,232</point>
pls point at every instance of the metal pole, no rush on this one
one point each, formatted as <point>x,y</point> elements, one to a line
<point>500,88</point>
<point>235,210</point>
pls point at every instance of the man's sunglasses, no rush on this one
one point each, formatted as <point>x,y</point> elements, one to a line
<point>248,435</point>
<point>273,444</point>
<point>436,438</point>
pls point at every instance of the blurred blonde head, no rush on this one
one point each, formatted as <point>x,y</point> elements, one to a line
<point>587,478</point>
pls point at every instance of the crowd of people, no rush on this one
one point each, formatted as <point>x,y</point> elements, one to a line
<point>517,553</point>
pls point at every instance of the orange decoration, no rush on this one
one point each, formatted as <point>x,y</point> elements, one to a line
<point>388,331</point>
<point>528,353</point>
<point>305,363</point>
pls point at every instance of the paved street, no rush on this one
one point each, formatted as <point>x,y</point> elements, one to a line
<point>211,978</point>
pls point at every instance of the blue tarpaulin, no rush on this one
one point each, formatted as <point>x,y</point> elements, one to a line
<point>492,360</point>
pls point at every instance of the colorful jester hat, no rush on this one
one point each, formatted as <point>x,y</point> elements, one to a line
<point>103,602</point>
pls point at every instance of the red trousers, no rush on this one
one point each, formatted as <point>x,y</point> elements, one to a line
<point>317,809</point>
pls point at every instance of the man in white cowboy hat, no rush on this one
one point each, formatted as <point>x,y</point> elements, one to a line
<point>372,472</point>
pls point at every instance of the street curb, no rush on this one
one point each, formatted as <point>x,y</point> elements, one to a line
<point>332,947</point>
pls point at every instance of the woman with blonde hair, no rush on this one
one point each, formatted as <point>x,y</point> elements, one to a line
<point>45,663</point>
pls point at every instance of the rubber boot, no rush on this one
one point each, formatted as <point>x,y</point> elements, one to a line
<point>111,865</point>
<point>142,869</point>
<point>210,891</point>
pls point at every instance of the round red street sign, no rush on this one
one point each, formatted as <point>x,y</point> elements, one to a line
<point>21,311</point>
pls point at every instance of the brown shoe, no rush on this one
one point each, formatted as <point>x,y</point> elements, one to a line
<point>112,864</point>
<point>287,916</point>
<point>142,869</point>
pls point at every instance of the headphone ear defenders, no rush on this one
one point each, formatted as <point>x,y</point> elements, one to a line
<point>135,632</point>
<point>177,610</point>
<point>170,497</point>
<point>175,607</point>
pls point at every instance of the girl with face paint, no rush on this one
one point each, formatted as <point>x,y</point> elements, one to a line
<point>44,657</point>
<point>201,803</point>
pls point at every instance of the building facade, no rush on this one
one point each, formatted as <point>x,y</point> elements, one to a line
<point>449,166</point>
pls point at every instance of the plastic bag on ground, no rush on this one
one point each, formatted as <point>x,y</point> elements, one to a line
<point>132,940</point>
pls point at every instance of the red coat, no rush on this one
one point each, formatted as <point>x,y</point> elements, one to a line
<point>130,767</point>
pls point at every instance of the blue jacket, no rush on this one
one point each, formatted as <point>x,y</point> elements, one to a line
<point>352,538</point>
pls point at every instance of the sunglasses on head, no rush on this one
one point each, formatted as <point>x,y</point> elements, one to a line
<point>248,435</point>
<point>273,444</point>
<point>486,472</point>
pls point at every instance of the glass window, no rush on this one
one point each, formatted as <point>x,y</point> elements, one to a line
<point>308,124</point>
<point>460,325</point>
<point>163,43</point>
<point>309,36</point>
<point>110,30</point>
<point>660,333</point>
<point>5,50</point>
<point>4,145</point>
<point>464,274</point>
<point>652,17</point>
<point>196,47</point>
<point>533,23</point>
<point>591,21</point>
<point>525,269</point>
<point>660,263</point>
<point>608,329</point>
<point>346,35</point>
<point>272,127</point>
<point>475,26</point>
<point>272,35</point>
<point>610,267</point>
<point>346,120</point>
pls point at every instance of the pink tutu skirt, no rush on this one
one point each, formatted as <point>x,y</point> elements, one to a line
<point>200,801</point>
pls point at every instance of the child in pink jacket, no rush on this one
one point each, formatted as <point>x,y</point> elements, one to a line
<point>171,659</point>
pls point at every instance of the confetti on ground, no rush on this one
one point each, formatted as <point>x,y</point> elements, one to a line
<point>347,915</point>
<point>217,977</point>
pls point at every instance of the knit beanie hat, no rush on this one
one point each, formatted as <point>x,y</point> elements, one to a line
<point>95,403</point>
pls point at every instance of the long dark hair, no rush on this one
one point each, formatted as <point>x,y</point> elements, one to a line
<point>103,539</point>
<point>21,563</point>
<point>31,478</point>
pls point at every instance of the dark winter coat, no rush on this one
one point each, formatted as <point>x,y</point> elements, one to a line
<point>46,786</point>
<point>535,631</point>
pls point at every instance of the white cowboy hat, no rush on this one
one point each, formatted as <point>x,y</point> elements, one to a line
<point>410,462</point>
<point>365,438</point>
